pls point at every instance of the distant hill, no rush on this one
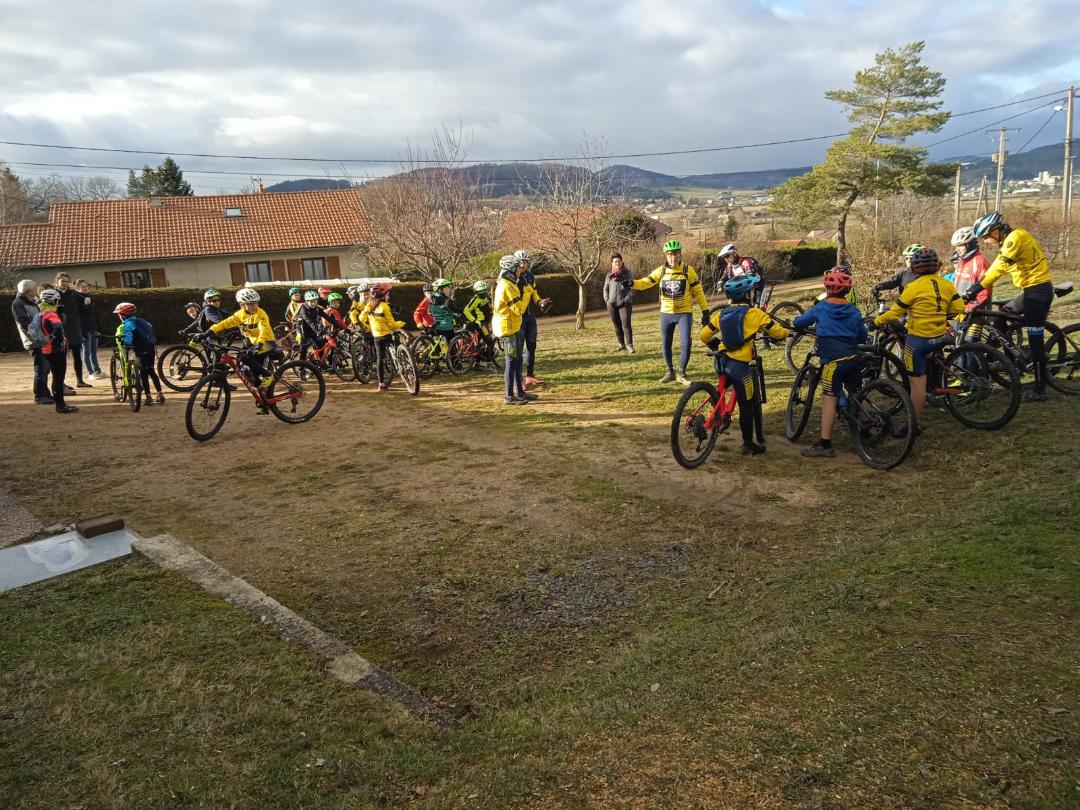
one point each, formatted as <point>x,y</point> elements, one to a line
<point>308,184</point>
<point>1022,166</point>
<point>767,178</point>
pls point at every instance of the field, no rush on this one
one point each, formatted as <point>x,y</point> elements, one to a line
<point>612,630</point>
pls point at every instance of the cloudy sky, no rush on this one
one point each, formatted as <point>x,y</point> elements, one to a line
<point>340,79</point>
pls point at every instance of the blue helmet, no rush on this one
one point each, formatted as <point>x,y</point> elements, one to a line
<point>984,225</point>
<point>739,287</point>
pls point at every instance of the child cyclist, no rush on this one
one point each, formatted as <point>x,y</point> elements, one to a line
<point>254,325</point>
<point>383,325</point>
<point>335,301</point>
<point>311,323</point>
<point>292,309</point>
<point>928,302</point>
<point>478,314</point>
<point>137,333</point>
<point>359,301</point>
<point>731,331</point>
<point>840,330</point>
<point>442,309</point>
<point>421,315</point>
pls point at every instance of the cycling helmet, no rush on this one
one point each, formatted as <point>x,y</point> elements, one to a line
<point>728,250</point>
<point>293,291</point>
<point>837,280</point>
<point>508,263</point>
<point>351,292</point>
<point>739,287</point>
<point>50,297</point>
<point>962,236</point>
<point>428,288</point>
<point>522,256</point>
<point>672,245</point>
<point>191,304</point>
<point>380,290</point>
<point>363,287</point>
<point>246,295</point>
<point>481,286</point>
<point>910,250</point>
<point>123,309</point>
<point>925,260</point>
<point>984,225</point>
<point>324,291</point>
<point>440,283</point>
<point>311,295</point>
<point>211,293</point>
<point>334,296</point>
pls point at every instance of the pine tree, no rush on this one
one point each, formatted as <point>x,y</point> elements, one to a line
<point>144,184</point>
<point>171,180</point>
<point>890,102</point>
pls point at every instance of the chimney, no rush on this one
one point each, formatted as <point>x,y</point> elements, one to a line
<point>261,189</point>
<point>156,202</point>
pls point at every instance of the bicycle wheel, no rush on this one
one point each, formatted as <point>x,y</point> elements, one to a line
<point>498,360</point>
<point>459,357</point>
<point>305,387</point>
<point>342,365</point>
<point>116,378</point>
<point>363,360</point>
<point>969,389</point>
<point>180,367</point>
<point>405,366</point>
<point>1063,360</point>
<point>795,346</point>
<point>801,401</point>
<point>422,347</point>
<point>135,392</point>
<point>691,441</point>
<point>207,407</point>
<point>882,422</point>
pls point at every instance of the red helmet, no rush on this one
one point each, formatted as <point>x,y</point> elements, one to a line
<point>380,290</point>
<point>124,309</point>
<point>324,291</point>
<point>837,281</point>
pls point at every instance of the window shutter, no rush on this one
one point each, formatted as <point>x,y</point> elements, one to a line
<point>296,271</point>
<point>277,269</point>
<point>236,270</point>
<point>333,267</point>
<point>112,279</point>
<point>157,277</point>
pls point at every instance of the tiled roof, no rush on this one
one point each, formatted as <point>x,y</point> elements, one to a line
<point>106,231</point>
<point>521,228</point>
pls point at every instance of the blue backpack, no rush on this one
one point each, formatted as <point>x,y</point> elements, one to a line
<point>732,332</point>
<point>143,339</point>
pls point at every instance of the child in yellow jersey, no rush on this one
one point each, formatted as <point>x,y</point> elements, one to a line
<point>254,325</point>
<point>380,320</point>
<point>731,332</point>
<point>928,302</point>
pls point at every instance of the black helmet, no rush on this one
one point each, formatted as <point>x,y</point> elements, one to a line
<point>925,260</point>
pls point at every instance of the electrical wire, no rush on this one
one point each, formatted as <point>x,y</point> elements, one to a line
<point>992,124</point>
<point>1036,135</point>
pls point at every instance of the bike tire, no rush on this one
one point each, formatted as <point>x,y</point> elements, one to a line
<point>135,392</point>
<point>692,424</point>
<point>791,349</point>
<point>458,357</point>
<point>116,378</point>
<point>180,367</point>
<point>967,380</point>
<point>887,407</point>
<point>1063,360</point>
<point>801,401</point>
<point>342,365</point>
<point>405,365</point>
<point>363,360</point>
<point>290,377</point>
<point>209,398</point>
<point>422,347</point>
<point>785,312</point>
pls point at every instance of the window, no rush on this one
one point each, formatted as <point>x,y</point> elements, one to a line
<point>135,278</point>
<point>314,269</point>
<point>257,271</point>
<point>233,212</point>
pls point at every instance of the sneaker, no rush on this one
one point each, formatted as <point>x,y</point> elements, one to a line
<point>160,399</point>
<point>668,378</point>
<point>91,376</point>
<point>148,402</point>
<point>753,449</point>
<point>83,384</point>
<point>527,396</point>
<point>533,381</point>
<point>682,379</point>
<point>629,348</point>
<point>901,431</point>
<point>619,348</point>
<point>1033,396</point>
<point>66,409</point>
<point>515,401</point>
<point>69,391</point>
<point>818,451</point>
<point>44,401</point>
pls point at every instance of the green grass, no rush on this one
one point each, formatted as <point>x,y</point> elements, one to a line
<point>617,632</point>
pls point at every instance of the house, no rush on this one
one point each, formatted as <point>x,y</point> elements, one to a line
<point>526,229</point>
<point>195,241</point>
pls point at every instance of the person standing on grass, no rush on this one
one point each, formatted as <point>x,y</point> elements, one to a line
<point>56,346</point>
<point>88,316</point>
<point>23,309</point>
<point>72,309</point>
<point>619,298</point>
<point>511,301</point>
<point>680,287</point>
<point>526,278</point>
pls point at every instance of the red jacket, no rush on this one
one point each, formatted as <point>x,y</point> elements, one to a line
<point>422,316</point>
<point>969,273</point>
<point>336,316</point>
<point>50,323</point>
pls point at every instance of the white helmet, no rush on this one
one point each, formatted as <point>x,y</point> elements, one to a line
<point>727,250</point>
<point>246,295</point>
<point>962,236</point>
<point>509,263</point>
<point>50,297</point>
<point>363,287</point>
<point>522,256</point>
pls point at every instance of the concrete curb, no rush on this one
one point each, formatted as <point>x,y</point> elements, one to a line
<point>341,662</point>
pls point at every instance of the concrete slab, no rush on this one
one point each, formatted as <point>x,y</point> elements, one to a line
<point>61,554</point>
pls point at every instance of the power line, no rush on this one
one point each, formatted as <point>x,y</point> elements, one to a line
<point>992,124</point>
<point>1036,135</point>
<point>186,171</point>
<point>384,161</point>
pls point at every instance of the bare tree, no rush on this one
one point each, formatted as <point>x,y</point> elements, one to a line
<point>430,217</point>
<point>578,223</point>
<point>44,191</point>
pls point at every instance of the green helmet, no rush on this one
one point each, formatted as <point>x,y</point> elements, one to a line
<point>672,245</point>
<point>211,293</point>
<point>481,286</point>
<point>440,283</point>
<point>911,249</point>
<point>293,291</point>
<point>334,296</point>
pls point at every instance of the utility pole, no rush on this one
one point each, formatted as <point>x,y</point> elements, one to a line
<point>1000,168</point>
<point>982,199</point>
<point>956,213</point>
<point>1066,191</point>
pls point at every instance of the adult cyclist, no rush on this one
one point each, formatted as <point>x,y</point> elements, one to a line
<point>736,266</point>
<point>1021,256</point>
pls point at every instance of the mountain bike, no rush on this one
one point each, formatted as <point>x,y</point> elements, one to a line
<point>877,410</point>
<point>333,356</point>
<point>295,395</point>
<point>398,359</point>
<point>125,376</point>
<point>181,366</point>
<point>431,353</point>
<point>468,349</point>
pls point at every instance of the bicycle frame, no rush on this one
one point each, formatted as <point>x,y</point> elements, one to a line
<point>225,360</point>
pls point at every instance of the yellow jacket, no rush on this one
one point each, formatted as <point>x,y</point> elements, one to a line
<point>379,319</point>
<point>255,327</point>
<point>509,305</point>
<point>929,301</point>
<point>679,288</point>
<point>1021,256</point>
<point>754,321</point>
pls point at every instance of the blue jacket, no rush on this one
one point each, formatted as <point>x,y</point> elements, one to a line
<point>840,327</point>
<point>139,335</point>
<point>527,279</point>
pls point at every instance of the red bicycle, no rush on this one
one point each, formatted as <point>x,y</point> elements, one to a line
<point>295,394</point>
<point>703,413</point>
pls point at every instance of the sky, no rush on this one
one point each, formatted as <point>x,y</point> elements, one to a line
<point>360,79</point>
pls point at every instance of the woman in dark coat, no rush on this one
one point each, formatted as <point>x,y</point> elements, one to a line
<point>619,297</point>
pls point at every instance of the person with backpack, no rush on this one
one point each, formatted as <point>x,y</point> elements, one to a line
<point>23,309</point>
<point>47,330</point>
<point>138,334</point>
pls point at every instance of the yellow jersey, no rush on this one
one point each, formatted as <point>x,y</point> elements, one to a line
<point>679,288</point>
<point>1021,256</point>
<point>380,320</point>
<point>509,305</point>
<point>929,301</point>
<point>255,326</point>
<point>755,320</point>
